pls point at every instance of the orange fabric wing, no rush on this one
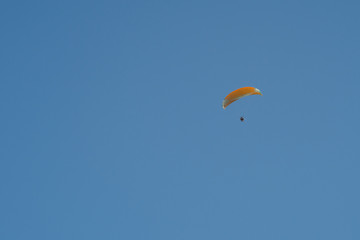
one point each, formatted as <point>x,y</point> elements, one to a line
<point>239,93</point>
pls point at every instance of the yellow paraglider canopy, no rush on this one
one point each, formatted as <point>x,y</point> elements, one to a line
<point>239,93</point>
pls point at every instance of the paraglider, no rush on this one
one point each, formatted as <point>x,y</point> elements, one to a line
<point>239,93</point>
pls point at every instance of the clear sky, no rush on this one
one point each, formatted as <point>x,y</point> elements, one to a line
<point>112,126</point>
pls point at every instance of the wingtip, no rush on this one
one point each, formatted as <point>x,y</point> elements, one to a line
<point>223,104</point>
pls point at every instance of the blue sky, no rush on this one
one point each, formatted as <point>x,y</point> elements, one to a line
<point>112,126</point>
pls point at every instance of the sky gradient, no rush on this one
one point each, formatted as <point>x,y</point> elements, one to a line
<point>112,125</point>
